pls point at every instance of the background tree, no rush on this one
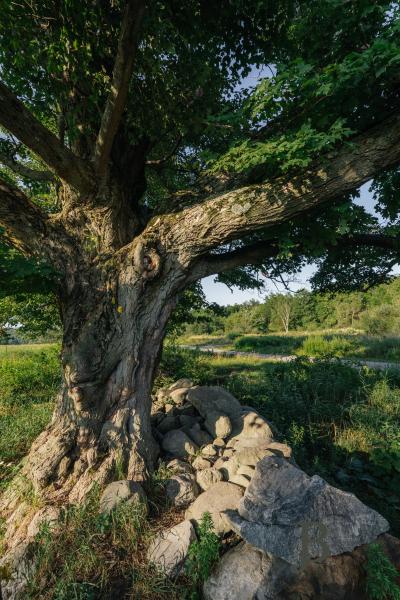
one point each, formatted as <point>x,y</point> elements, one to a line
<point>133,168</point>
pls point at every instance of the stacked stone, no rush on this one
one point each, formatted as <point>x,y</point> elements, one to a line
<point>301,536</point>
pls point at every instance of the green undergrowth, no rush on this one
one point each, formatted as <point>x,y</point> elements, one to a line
<point>381,575</point>
<point>29,380</point>
<point>317,345</point>
<point>87,555</point>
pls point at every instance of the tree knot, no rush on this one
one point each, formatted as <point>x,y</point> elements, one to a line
<point>147,261</point>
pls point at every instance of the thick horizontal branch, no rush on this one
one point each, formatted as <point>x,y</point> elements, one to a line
<point>24,171</point>
<point>122,73</point>
<point>19,121</point>
<point>231,215</point>
<point>375,240</point>
<point>253,254</point>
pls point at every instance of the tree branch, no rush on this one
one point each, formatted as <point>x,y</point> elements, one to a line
<point>211,264</point>
<point>25,224</point>
<point>161,161</point>
<point>15,117</point>
<point>228,216</point>
<point>24,171</point>
<point>123,67</point>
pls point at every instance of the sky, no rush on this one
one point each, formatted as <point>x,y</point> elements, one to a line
<point>220,293</point>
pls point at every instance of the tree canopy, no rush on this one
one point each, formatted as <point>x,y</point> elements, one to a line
<point>328,75</point>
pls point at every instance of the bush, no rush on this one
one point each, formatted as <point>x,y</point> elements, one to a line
<point>318,346</point>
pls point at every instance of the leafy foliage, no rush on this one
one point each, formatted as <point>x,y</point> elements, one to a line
<point>203,553</point>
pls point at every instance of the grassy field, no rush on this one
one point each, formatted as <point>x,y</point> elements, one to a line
<point>342,423</point>
<point>317,344</point>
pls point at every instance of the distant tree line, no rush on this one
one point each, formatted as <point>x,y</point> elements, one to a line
<point>375,311</point>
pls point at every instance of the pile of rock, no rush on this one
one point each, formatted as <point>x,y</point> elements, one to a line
<point>302,538</point>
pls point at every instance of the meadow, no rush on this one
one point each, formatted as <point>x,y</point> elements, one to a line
<point>343,423</point>
<point>346,343</point>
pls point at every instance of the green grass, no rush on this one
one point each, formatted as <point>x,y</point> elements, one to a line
<point>87,555</point>
<point>29,380</point>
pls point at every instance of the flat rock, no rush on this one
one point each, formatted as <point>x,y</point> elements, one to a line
<point>207,399</point>
<point>179,444</point>
<point>245,470</point>
<point>181,489</point>
<point>296,517</point>
<point>217,499</point>
<point>241,480</point>
<point>280,449</point>
<point>200,463</point>
<point>207,477</point>
<point>178,396</point>
<point>169,549</point>
<point>181,383</point>
<point>251,456</point>
<point>119,491</point>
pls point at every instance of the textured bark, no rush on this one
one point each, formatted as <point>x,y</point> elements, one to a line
<point>235,213</point>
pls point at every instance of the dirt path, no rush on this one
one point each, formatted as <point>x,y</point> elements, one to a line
<point>372,364</point>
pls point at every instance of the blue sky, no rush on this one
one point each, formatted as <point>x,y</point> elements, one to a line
<point>218,292</point>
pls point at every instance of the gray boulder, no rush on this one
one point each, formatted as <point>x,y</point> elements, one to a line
<point>119,491</point>
<point>296,517</point>
<point>177,443</point>
<point>214,399</point>
<point>169,549</point>
<point>181,489</point>
<point>250,429</point>
<point>216,500</point>
<point>245,573</point>
<point>168,423</point>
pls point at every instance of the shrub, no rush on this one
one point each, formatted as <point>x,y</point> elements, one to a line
<point>203,554</point>
<point>319,346</point>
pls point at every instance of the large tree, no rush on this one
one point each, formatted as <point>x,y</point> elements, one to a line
<point>134,164</point>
